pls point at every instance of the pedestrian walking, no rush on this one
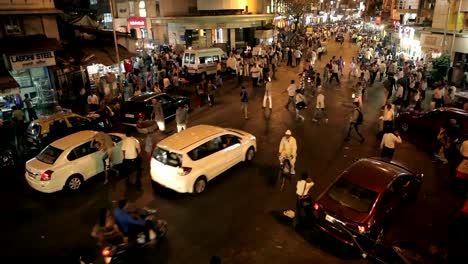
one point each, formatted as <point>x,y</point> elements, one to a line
<point>291,94</point>
<point>181,117</point>
<point>334,72</point>
<point>30,108</point>
<point>303,199</point>
<point>300,104</point>
<point>244,101</point>
<point>388,143</point>
<point>320,108</point>
<point>267,94</point>
<point>103,142</point>
<point>355,121</point>
<point>211,92</point>
<point>158,114</point>
<point>131,150</point>
<point>256,73</point>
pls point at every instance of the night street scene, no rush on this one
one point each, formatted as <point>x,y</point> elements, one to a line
<point>234,131</point>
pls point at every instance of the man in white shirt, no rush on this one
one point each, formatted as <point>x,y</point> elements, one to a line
<point>131,155</point>
<point>388,143</point>
<point>288,149</point>
<point>320,107</point>
<point>256,74</point>
<point>291,94</point>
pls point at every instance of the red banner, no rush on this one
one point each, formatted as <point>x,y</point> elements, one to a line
<point>136,22</point>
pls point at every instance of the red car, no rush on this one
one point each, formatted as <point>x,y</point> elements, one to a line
<point>433,120</point>
<point>364,196</point>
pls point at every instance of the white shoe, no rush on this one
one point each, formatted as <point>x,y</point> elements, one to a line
<point>293,171</point>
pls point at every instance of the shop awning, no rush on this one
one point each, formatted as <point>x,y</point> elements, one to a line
<point>8,84</point>
<point>31,11</point>
<point>28,44</point>
<point>104,55</point>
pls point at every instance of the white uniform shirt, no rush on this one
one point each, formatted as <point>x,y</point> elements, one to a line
<point>292,89</point>
<point>389,140</point>
<point>132,148</point>
<point>303,187</point>
<point>288,146</point>
<point>320,101</point>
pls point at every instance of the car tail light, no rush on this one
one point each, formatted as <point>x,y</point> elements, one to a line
<point>141,115</point>
<point>46,175</point>
<point>362,229</point>
<point>182,171</point>
<point>106,252</point>
<point>316,206</point>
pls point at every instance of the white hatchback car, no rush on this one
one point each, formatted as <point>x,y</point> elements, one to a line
<point>67,162</point>
<point>186,161</point>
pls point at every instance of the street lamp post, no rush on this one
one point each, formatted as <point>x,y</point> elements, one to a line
<point>116,46</point>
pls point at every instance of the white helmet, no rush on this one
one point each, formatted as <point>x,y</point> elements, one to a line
<point>288,133</point>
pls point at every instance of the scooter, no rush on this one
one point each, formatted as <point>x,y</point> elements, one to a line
<point>121,253</point>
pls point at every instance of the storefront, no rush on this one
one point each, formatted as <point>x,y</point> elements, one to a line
<point>410,46</point>
<point>104,79</point>
<point>34,75</point>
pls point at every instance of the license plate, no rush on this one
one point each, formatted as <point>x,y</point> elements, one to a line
<point>129,115</point>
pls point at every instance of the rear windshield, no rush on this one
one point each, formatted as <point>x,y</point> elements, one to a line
<point>133,106</point>
<point>168,158</point>
<point>49,155</point>
<point>353,196</point>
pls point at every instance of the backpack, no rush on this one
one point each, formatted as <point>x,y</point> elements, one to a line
<point>360,117</point>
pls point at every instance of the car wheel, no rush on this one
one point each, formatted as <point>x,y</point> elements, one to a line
<point>74,183</point>
<point>250,154</point>
<point>405,127</point>
<point>199,185</point>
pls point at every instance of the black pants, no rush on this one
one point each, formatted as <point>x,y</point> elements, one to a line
<point>32,114</point>
<point>334,75</point>
<point>133,165</point>
<point>387,153</point>
<point>254,82</point>
<point>354,126</point>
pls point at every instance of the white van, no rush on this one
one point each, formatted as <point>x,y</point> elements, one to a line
<point>202,61</point>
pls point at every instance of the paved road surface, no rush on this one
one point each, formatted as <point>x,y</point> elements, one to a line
<point>233,218</point>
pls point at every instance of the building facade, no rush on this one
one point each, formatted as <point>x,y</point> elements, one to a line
<point>449,32</point>
<point>197,23</point>
<point>29,37</point>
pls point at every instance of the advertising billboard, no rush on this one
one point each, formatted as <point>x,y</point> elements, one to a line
<point>221,4</point>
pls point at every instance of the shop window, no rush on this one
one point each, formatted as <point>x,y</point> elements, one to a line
<point>22,77</point>
<point>13,26</point>
<point>107,20</point>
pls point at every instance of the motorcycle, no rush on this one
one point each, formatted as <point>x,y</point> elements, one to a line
<point>121,253</point>
<point>7,158</point>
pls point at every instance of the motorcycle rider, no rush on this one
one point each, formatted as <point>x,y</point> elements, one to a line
<point>288,149</point>
<point>131,224</point>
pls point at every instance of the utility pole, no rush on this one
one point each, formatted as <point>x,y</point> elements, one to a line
<point>446,24</point>
<point>117,55</point>
<point>455,31</point>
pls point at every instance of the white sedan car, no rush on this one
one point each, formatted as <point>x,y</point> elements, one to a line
<point>68,162</point>
<point>186,161</point>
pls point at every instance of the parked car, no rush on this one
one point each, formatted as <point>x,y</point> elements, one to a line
<point>364,197</point>
<point>186,161</point>
<point>68,162</point>
<point>140,106</point>
<point>46,129</point>
<point>430,122</point>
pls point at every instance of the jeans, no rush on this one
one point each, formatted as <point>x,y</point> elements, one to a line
<point>354,126</point>
<point>387,153</point>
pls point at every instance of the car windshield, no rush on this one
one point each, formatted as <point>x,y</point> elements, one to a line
<point>353,196</point>
<point>49,155</point>
<point>166,157</point>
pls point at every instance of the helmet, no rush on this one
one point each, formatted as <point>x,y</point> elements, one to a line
<point>288,133</point>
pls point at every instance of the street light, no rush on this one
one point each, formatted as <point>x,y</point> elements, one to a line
<point>116,46</point>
